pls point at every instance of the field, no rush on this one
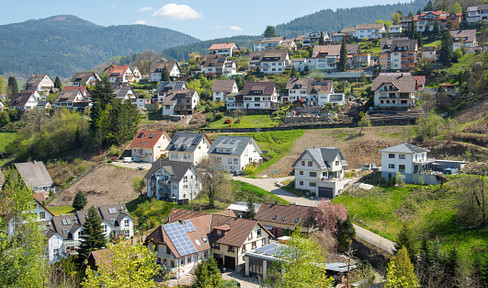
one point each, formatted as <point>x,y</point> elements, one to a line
<point>248,121</point>
<point>61,210</point>
<point>431,209</point>
<point>5,140</point>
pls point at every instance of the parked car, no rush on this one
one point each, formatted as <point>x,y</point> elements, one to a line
<point>127,160</point>
<point>238,173</point>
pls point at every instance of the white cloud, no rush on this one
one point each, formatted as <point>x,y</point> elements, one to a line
<point>177,12</point>
<point>145,9</point>
<point>140,22</point>
<point>236,28</point>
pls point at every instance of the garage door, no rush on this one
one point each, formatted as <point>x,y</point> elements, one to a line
<point>326,192</point>
<point>230,262</point>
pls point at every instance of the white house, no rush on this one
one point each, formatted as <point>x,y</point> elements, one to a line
<point>312,93</point>
<point>25,100</point>
<point>148,146</point>
<point>118,73</point>
<point>217,64</point>
<point>464,38</point>
<point>85,79</point>
<point>173,181</point>
<point>405,158</point>
<point>41,83</point>
<point>35,176</point>
<point>123,91</point>
<point>299,64</point>
<point>227,49</point>
<point>189,147</point>
<point>222,88</point>
<point>270,61</point>
<point>260,96</point>
<point>326,57</point>
<point>268,43</point>
<point>320,171</point>
<point>186,101</point>
<point>166,88</point>
<point>370,31</point>
<point>157,68</point>
<point>395,30</point>
<point>477,13</point>
<point>234,153</point>
<point>394,90</point>
<point>67,98</point>
<point>313,38</point>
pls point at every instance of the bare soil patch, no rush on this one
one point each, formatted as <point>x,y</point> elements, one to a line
<point>104,185</point>
<point>357,149</point>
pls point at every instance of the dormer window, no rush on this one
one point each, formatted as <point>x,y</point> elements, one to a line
<point>275,217</point>
<point>297,220</point>
<point>283,219</point>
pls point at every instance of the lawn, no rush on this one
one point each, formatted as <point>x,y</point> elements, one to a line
<point>5,139</point>
<point>61,210</point>
<point>431,209</point>
<point>262,195</point>
<point>436,44</point>
<point>248,121</point>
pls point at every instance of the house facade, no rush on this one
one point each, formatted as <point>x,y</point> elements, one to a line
<point>234,153</point>
<point>426,21</point>
<point>477,13</point>
<point>326,57</point>
<point>260,96</point>
<point>25,100</point>
<point>398,54</point>
<point>429,53</point>
<point>405,158</point>
<point>267,43</point>
<point>370,31</point>
<point>227,49</point>
<point>120,73</point>
<point>85,79</point>
<point>148,146</point>
<point>41,83</point>
<point>394,90</point>
<point>284,219</point>
<point>35,176</point>
<point>186,101</point>
<point>320,171</point>
<point>464,39</point>
<point>157,68</point>
<point>68,98</point>
<point>313,93</point>
<point>217,64</point>
<point>189,147</point>
<point>173,181</point>
<point>222,88</point>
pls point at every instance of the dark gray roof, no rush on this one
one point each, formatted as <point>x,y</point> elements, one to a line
<point>168,86</point>
<point>405,148</point>
<point>176,169</point>
<point>113,214</point>
<point>68,95</point>
<point>236,144</point>
<point>324,156</point>
<point>34,174</point>
<point>185,142</point>
<point>121,89</point>
<point>65,225</point>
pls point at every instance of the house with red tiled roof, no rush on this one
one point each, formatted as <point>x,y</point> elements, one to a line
<point>394,90</point>
<point>148,146</point>
<point>121,73</point>
<point>223,49</point>
<point>426,20</point>
<point>182,243</point>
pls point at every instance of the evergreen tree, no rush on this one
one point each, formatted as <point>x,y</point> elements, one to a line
<point>429,6</point>
<point>451,269</point>
<point>207,274</point>
<point>420,39</point>
<point>269,32</point>
<point>102,96</point>
<point>124,118</point>
<point>92,238</point>
<point>12,86</point>
<point>80,201</point>
<point>321,40</point>
<point>437,29</point>
<point>345,233</point>
<point>57,83</point>
<point>424,264</point>
<point>412,29</point>
<point>164,74</point>
<point>446,53</point>
<point>399,273</point>
<point>342,65</point>
<point>406,238</point>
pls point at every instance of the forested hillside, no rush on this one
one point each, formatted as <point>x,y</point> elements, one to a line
<point>62,45</point>
<point>330,20</point>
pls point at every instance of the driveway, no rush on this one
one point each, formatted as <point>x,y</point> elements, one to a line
<point>132,165</point>
<point>246,282</point>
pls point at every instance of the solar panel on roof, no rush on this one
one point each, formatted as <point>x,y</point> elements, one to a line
<point>177,233</point>
<point>152,135</point>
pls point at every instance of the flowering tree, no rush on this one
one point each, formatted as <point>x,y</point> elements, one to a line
<point>328,214</point>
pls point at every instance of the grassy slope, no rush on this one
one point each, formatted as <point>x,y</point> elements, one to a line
<point>248,121</point>
<point>61,210</point>
<point>430,209</point>
<point>262,195</point>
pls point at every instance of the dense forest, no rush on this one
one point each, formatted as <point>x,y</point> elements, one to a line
<point>330,20</point>
<point>63,45</point>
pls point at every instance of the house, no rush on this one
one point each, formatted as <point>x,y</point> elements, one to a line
<point>429,53</point>
<point>326,57</point>
<point>370,31</point>
<point>137,74</point>
<point>313,93</point>
<point>186,101</point>
<point>189,147</point>
<point>41,83</point>
<point>337,37</point>
<point>270,61</point>
<point>173,181</point>
<point>313,38</point>
<point>299,64</point>
<point>289,44</point>
<point>222,88</point>
<point>166,88</point>
<point>157,68</point>
<point>63,233</point>
<point>25,100</point>
<point>35,176</point>
<point>44,105</point>
<point>349,32</point>
<point>395,30</point>
<point>85,79</point>
<point>359,60</point>
<point>148,146</point>
<point>477,13</point>
<point>394,90</point>
<point>83,89</point>
<point>68,98</point>
<point>216,64</point>
<point>426,21</point>
<point>120,73</point>
<point>234,153</point>
<point>260,96</point>
<point>398,54</point>
<point>464,39</point>
<point>268,43</point>
<point>227,49</point>
<point>283,219</point>
<point>234,101</point>
<point>123,91</point>
<point>420,82</point>
<point>241,209</point>
<point>320,171</point>
<point>190,237</point>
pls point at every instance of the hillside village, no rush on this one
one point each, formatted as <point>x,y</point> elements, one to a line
<point>367,145</point>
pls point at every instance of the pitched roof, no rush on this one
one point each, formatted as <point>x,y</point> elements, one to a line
<point>270,40</point>
<point>168,86</point>
<point>148,139</point>
<point>404,82</point>
<point>34,80</point>
<point>348,30</point>
<point>223,85</point>
<point>322,87</point>
<point>122,89</point>
<point>370,26</point>
<point>237,230</point>
<point>405,148</point>
<point>118,70</point>
<point>34,174</point>
<point>213,60</point>
<point>68,95</point>
<point>83,77</point>
<point>180,214</point>
<point>291,214</point>
<point>236,144</point>
<point>159,65</point>
<point>320,51</point>
<point>420,80</point>
<point>217,46</point>
<point>186,141</point>
<point>174,168</point>
<point>22,98</point>
<point>398,44</point>
<point>82,89</point>
<point>324,156</point>
<point>467,35</point>
<point>428,49</point>
<point>267,88</point>
<point>274,55</point>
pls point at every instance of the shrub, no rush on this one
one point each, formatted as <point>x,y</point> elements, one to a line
<point>228,121</point>
<point>249,170</point>
<point>114,151</point>
<point>218,116</point>
<point>80,201</point>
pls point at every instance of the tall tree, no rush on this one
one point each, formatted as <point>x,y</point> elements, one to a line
<point>134,266</point>
<point>345,233</point>
<point>456,8</point>
<point>399,273</point>
<point>22,248</point>
<point>2,84</point>
<point>124,118</point>
<point>93,237</point>
<point>437,29</point>
<point>12,87</point>
<point>102,96</point>
<point>164,74</point>
<point>429,6</point>
<point>407,238</point>
<point>342,65</point>
<point>207,274</point>
<point>57,83</point>
<point>269,32</point>
<point>215,182</point>
<point>321,40</point>
<point>446,53</point>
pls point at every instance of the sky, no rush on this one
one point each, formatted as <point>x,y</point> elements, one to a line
<point>203,19</point>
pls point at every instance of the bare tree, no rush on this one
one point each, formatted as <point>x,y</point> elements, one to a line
<point>215,182</point>
<point>473,208</point>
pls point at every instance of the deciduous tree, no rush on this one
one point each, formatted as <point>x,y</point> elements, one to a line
<point>215,183</point>
<point>328,214</point>
<point>364,121</point>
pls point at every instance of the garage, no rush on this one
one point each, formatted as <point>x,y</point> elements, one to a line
<point>230,262</point>
<point>326,192</point>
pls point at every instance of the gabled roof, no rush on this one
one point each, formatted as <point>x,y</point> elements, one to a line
<point>270,40</point>
<point>217,46</point>
<point>168,86</point>
<point>467,35</point>
<point>122,89</point>
<point>68,95</point>
<point>34,174</point>
<point>83,77</point>
<point>268,88</point>
<point>482,7</point>
<point>148,139</point>
<point>236,144</point>
<point>428,49</point>
<point>370,26</point>
<point>159,65</point>
<point>223,85</point>
<point>324,157</point>
<point>405,148</point>
<point>398,44</point>
<point>274,55</point>
<point>187,142</point>
<point>22,98</point>
<point>82,89</point>
<point>237,230</point>
<point>213,60</point>
<point>300,83</point>
<point>117,70</point>
<point>65,225</point>
<point>174,168</point>
<point>404,82</point>
<point>322,87</point>
<point>321,51</point>
<point>420,80</point>
<point>291,214</point>
<point>34,80</point>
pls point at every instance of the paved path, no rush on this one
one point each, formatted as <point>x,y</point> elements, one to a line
<point>364,234</point>
<point>246,282</point>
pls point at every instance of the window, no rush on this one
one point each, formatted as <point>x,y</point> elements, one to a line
<point>236,161</point>
<point>303,163</point>
<point>264,241</point>
<point>312,184</point>
<point>275,217</point>
<point>254,245</point>
<point>309,163</point>
<point>337,163</point>
<point>185,179</point>
<point>230,249</point>
<point>42,215</point>
<point>401,168</point>
<point>301,183</point>
<point>300,172</point>
<point>401,156</point>
<point>229,160</point>
<point>259,232</point>
<point>216,246</point>
<point>313,174</point>
<point>391,156</point>
<point>391,166</point>
<point>283,219</point>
